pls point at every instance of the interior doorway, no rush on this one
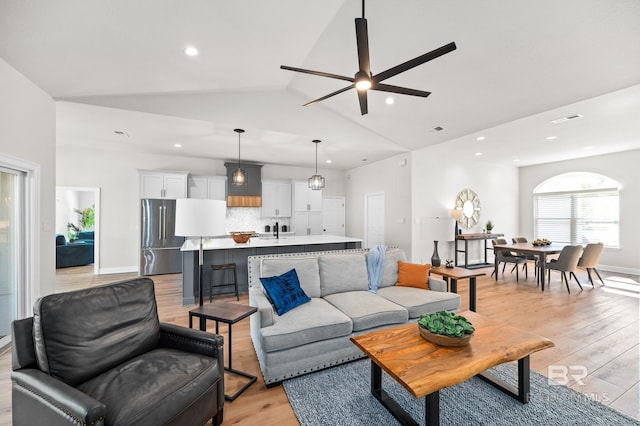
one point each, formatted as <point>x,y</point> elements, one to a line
<point>374,219</point>
<point>333,215</point>
<point>70,201</point>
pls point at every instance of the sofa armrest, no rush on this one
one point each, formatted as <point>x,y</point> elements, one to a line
<point>437,284</point>
<point>265,310</point>
<point>38,395</point>
<point>191,340</point>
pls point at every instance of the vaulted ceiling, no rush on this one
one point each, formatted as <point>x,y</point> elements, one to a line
<point>120,66</point>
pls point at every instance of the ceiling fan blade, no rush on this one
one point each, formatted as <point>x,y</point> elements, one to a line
<point>362,39</point>
<point>337,92</point>
<point>412,63</point>
<point>362,97</point>
<point>381,87</point>
<point>318,73</point>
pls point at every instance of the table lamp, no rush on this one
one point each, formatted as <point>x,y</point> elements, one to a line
<point>457,215</point>
<point>200,218</point>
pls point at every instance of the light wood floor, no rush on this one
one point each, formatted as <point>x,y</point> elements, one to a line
<point>597,329</point>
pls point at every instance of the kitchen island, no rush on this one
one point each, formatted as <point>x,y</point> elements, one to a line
<point>224,250</point>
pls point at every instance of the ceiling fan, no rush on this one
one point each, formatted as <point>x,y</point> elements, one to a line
<point>364,80</point>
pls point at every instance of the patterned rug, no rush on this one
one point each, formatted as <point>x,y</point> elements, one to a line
<point>341,396</point>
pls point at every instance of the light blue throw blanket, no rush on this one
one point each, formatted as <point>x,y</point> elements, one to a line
<point>375,266</point>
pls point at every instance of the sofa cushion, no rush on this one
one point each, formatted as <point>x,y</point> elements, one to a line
<point>390,273</point>
<point>152,388</point>
<point>306,268</point>
<point>284,292</point>
<point>312,322</point>
<point>418,301</point>
<point>342,272</point>
<point>413,275</point>
<point>367,310</point>
<point>83,333</point>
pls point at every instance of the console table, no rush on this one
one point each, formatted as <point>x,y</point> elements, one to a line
<point>473,237</point>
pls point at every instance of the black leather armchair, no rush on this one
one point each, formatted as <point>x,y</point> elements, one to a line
<point>100,356</point>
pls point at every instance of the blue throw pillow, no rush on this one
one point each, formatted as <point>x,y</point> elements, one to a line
<point>284,291</point>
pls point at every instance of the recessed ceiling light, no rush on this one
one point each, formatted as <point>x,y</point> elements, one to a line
<point>515,160</point>
<point>588,147</point>
<point>481,138</point>
<point>191,51</point>
<point>177,145</point>
<point>389,100</point>
<point>550,138</point>
<point>478,154</point>
<point>328,161</point>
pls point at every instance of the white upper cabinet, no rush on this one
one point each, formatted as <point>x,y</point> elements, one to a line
<point>276,198</point>
<point>307,199</point>
<point>208,187</point>
<point>167,185</point>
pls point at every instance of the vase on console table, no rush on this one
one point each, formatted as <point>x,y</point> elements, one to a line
<point>435,257</point>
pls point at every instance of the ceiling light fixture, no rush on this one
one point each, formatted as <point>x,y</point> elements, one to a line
<point>481,138</point>
<point>239,176</point>
<point>478,154</point>
<point>390,100</point>
<point>550,138</point>
<point>316,182</point>
<point>329,161</point>
<point>191,51</point>
<point>177,145</point>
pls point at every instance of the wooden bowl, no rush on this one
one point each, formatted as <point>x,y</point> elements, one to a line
<point>241,237</point>
<point>441,340</point>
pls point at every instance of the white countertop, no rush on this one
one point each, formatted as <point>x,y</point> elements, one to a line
<point>228,243</point>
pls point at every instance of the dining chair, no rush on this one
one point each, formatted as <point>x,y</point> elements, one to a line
<point>590,259</point>
<point>507,256</point>
<point>567,262</point>
<point>533,257</point>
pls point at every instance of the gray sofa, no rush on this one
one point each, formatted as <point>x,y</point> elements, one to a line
<point>317,334</point>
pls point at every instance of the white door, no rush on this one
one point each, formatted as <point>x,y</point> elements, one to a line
<point>333,215</point>
<point>373,219</point>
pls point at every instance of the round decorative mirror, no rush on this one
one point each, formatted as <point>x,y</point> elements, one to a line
<point>469,203</point>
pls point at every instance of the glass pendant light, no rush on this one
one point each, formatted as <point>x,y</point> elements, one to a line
<point>316,182</point>
<point>239,175</point>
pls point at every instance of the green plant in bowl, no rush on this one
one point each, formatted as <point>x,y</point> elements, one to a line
<point>447,324</point>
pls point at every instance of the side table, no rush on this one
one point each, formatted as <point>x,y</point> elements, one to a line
<point>229,313</point>
<point>455,274</point>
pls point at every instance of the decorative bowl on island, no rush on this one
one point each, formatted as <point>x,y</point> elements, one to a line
<point>241,237</point>
<point>445,329</point>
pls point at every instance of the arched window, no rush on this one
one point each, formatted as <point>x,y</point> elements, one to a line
<point>578,208</point>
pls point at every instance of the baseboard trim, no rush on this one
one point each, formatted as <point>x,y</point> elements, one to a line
<point>118,270</point>
<point>619,269</point>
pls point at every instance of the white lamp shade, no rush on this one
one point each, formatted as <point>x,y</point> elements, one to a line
<point>456,214</point>
<point>200,217</point>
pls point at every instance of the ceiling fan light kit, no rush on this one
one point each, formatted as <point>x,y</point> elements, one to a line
<point>316,182</point>
<point>364,79</point>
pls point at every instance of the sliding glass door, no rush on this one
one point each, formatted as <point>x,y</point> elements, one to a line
<point>11,237</point>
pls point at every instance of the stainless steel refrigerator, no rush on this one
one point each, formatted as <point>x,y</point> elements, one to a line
<point>160,248</point>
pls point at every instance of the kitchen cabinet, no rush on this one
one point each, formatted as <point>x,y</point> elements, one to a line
<point>160,184</point>
<point>308,223</point>
<point>276,198</point>
<point>307,199</point>
<point>208,187</point>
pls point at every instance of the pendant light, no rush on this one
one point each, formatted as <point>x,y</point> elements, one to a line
<point>239,176</point>
<point>316,182</point>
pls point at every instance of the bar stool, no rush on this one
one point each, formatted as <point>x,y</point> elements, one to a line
<point>225,267</point>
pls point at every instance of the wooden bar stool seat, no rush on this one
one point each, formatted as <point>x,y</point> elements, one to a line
<point>225,267</point>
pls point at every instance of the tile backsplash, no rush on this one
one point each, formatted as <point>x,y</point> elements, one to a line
<point>249,219</point>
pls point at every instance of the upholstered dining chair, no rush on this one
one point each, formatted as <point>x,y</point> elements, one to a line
<point>506,256</point>
<point>527,256</point>
<point>567,262</point>
<point>590,259</point>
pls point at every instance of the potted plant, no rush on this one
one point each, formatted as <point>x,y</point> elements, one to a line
<point>445,328</point>
<point>489,226</point>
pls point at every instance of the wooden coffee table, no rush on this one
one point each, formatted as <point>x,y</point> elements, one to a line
<point>424,368</point>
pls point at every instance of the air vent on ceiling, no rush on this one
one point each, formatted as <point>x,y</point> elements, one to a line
<point>570,117</point>
<point>121,133</point>
<point>436,129</point>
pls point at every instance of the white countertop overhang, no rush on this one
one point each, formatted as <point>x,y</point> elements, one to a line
<point>255,242</point>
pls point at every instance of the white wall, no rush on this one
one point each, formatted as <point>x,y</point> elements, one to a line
<point>27,132</point>
<point>116,173</point>
<point>394,180</point>
<point>623,167</point>
<point>438,174</point>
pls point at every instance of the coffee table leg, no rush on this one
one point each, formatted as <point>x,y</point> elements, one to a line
<point>432,415</point>
<point>472,294</point>
<point>522,392</point>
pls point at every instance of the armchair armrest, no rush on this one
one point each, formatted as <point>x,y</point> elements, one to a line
<point>265,310</point>
<point>38,395</point>
<point>437,284</point>
<point>191,340</point>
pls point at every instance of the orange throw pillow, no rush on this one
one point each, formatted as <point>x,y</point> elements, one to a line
<point>413,275</point>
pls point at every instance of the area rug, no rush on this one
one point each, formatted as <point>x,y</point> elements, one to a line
<point>341,396</point>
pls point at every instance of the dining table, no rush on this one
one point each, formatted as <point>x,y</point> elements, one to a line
<point>541,251</point>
